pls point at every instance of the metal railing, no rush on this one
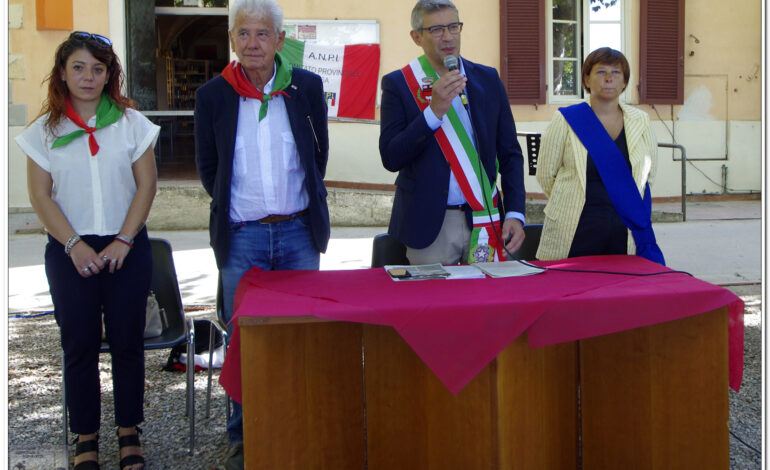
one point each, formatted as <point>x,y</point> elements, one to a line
<point>684,174</point>
<point>533,148</point>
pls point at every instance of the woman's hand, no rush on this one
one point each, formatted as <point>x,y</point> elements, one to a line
<point>85,259</point>
<point>114,255</point>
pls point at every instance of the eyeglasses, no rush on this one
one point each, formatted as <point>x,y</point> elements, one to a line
<point>102,41</point>
<point>438,30</point>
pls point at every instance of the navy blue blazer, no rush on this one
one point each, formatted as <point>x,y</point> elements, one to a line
<point>408,146</point>
<point>216,119</point>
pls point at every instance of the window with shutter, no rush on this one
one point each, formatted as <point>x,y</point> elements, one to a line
<point>522,50</point>
<point>544,42</point>
<point>661,52</point>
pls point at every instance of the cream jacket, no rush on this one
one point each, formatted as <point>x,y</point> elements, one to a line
<point>561,172</point>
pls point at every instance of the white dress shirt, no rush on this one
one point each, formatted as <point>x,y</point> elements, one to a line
<point>268,178</point>
<point>93,192</point>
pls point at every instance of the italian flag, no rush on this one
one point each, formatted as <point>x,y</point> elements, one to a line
<point>349,74</point>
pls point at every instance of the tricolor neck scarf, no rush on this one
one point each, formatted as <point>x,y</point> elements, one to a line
<point>108,112</point>
<point>236,77</point>
<point>458,149</point>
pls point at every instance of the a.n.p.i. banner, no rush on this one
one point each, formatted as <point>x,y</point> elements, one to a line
<point>349,74</point>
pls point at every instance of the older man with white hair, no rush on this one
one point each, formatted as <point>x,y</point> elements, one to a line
<point>261,146</point>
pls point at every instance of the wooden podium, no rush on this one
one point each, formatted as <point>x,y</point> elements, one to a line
<point>335,395</point>
<point>657,397</point>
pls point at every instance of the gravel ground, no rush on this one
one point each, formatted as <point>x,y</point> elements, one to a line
<point>34,406</point>
<point>34,403</point>
<point>746,405</point>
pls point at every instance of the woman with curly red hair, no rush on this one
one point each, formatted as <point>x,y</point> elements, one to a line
<point>92,179</point>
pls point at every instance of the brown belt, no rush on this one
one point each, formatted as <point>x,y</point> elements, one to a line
<point>271,219</point>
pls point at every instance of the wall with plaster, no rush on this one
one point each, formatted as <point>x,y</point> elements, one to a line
<point>719,123</point>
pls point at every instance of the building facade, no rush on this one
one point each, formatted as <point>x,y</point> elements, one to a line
<point>708,97</point>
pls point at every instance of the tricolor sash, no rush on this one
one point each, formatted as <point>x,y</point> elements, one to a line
<point>459,151</point>
<point>617,178</point>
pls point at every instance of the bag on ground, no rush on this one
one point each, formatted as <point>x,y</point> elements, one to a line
<point>177,359</point>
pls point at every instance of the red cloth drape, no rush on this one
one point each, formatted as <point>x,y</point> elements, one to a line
<point>458,326</point>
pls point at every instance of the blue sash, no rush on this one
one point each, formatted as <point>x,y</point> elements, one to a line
<point>617,178</point>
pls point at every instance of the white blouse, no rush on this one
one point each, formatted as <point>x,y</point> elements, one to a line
<point>93,192</point>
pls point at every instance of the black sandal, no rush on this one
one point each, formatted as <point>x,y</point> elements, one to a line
<point>87,446</point>
<point>130,440</point>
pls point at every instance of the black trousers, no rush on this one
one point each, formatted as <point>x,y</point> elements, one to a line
<point>78,306</point>
<point>599,233</point>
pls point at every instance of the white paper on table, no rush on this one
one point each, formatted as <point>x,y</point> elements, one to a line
<point>508,269</point>
<point>464,272</point>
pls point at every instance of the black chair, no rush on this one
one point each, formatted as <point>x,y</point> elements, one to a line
<point>218,324</point>
<point>164,146</point>
<point>528,249</point>
<point>533,149</point>
<point>178,329</point>
<point>386,250</point>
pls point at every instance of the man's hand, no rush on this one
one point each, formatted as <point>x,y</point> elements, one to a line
<point>444,91</point>
<point>513,229</point>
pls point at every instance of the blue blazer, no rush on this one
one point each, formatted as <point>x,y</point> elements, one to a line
<point>216,119</point>
<point>407,146</point>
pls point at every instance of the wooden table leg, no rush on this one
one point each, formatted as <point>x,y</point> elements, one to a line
<point>537,399</point>
<point>302,396</point>
<point>519,412</point>
<point>656,397</point>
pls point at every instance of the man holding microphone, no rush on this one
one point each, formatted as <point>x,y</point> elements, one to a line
<point>447,129</point>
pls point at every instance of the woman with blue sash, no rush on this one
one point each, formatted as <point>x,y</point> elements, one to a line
<point>596,162</point>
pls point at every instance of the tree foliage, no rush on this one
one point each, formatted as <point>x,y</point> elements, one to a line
<point>596,5</point>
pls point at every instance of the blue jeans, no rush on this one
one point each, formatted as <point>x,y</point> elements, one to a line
<point>279,246</point>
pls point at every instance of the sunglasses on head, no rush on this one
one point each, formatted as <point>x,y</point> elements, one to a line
<point>102,41</point>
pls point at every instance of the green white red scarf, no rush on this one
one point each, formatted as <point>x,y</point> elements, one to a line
<point>107,113</point>
<point>234,75</point>
<point>459,151</point>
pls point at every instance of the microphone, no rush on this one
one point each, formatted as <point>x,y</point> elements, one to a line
<point>451,63</point>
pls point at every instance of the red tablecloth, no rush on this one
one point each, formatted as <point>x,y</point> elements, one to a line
<point>458,326</point>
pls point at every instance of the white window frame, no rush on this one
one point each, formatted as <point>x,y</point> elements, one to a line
<point>587,29</point>
<point>583,27</point>
<point>550,96</point>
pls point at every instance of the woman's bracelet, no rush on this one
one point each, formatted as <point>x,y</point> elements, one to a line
<point>125,240</point>
<point>70,243</point>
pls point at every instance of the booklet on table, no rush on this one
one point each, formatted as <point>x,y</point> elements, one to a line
<point>472,271</point>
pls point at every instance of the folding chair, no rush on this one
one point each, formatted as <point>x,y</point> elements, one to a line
<point>533,149</point>
<point>218,324</point>
<point>178,329</point>
<point>386,250</point>
<point>528,249</point>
